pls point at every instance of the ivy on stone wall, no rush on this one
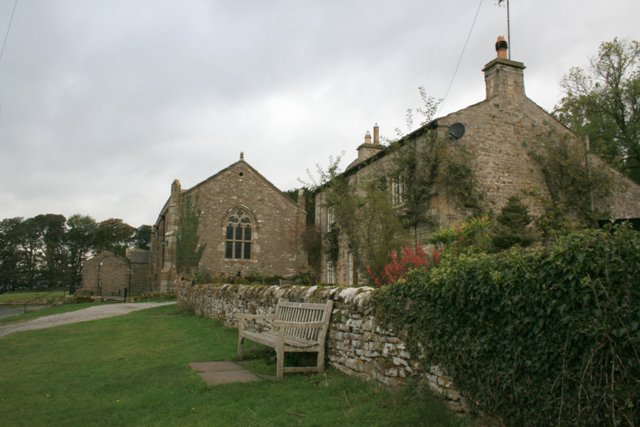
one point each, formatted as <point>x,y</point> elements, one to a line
<point>432,167</point>
<point>572,183</point>
<point>188,251</point>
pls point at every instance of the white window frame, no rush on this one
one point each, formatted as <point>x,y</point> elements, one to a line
<point>398,190</point>
<point>331,219</point>
<point>331,272</point>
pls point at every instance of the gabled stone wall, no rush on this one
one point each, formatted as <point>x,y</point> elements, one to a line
<point>357,344</point>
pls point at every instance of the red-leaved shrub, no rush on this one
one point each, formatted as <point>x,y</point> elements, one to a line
<point>401,262</point>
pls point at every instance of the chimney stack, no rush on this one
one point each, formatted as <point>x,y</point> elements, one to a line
<point>503,76</point>
<point>367,149</point>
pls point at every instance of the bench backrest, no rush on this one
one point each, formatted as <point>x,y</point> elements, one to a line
<point>305,312</point>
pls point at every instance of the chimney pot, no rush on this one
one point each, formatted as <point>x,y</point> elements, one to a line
<point>376,134</point>
<point>367,138</point>
<point>501,47</point>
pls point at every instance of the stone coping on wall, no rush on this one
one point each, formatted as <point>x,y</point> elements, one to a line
<point>357,344</point>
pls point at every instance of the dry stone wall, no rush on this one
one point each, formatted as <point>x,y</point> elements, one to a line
<point>357,344</point>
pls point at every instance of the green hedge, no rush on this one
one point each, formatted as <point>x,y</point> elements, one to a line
<point>534,337</point>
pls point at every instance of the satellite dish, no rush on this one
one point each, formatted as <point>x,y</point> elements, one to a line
<point>456,131</point>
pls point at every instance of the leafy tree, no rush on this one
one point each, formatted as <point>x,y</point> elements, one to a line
<point>603,103</point>
<point>188,251</point>
<point>511,225</point>
<point>80,238</point>
<point>113,235</point>
<point>142,237</point>
<point>10,253</point>
<point>51,230</point>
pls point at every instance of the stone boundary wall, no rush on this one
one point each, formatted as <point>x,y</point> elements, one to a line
<point>356,345</point>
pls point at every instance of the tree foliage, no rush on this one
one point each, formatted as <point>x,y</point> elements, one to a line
<point>113,235</point>
<point>365,221</point>
<point>603,103</point>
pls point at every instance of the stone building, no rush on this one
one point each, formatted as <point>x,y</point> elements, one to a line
<point>246,226</point>
<point>107,274</point>
<point>138,260</point>
<point>500,134</point>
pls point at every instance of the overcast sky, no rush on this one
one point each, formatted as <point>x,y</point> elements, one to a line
<point>104,103</point>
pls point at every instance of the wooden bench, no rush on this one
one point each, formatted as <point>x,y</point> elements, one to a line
<point>295,327</point>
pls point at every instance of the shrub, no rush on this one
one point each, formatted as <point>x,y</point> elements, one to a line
<point>536,337</point>
<point>403,261</point>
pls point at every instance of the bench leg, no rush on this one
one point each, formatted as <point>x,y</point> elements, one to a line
<point>280,362</point>
<point>320,363</point>
<point>240,348</point>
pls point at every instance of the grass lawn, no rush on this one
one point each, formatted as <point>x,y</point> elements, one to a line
<point>36,298</point>
<point>133,370</point>
<point>56,309</point>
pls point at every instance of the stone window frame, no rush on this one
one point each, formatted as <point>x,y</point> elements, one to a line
<point>239,241</point>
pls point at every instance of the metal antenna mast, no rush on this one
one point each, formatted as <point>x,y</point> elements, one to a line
<point>508,26</point>
<point>508,31</point>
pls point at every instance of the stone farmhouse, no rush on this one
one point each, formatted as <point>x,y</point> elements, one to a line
<point>498,133</point>
<point>245,225</point>
<point>107,274</point>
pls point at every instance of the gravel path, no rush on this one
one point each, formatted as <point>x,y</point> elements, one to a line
<point>91,313</point>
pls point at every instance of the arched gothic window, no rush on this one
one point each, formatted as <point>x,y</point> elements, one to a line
<point>239,235</point>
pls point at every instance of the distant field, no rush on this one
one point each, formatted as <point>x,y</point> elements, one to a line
<point>36,298</point>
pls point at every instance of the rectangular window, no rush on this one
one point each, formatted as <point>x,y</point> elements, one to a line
<point>398,190</point>
<point>330,218</point>
<point>238,233</point>
<point>247,233</point>
<point>228,252</point>
<point>237,252</point>
<point>247,251</point>
<point>331,273</point>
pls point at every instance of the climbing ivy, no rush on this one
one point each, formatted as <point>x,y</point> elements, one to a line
<point>188,251</point>
<point>429,167</point>
<point>535,337</point>
<point>572,184</point>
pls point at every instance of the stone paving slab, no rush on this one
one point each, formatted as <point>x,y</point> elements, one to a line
<point>223,372</point>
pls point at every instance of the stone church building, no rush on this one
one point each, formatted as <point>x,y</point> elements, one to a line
<point>499,134</point>
<point>245,224</point>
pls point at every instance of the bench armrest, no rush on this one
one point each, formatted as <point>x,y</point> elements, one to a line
<point>283,324</point>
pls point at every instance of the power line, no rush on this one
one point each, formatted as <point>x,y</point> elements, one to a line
<point>6,34</point>
<point>455,71</point>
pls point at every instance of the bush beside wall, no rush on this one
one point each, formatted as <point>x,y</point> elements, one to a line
<point>534,337</point>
